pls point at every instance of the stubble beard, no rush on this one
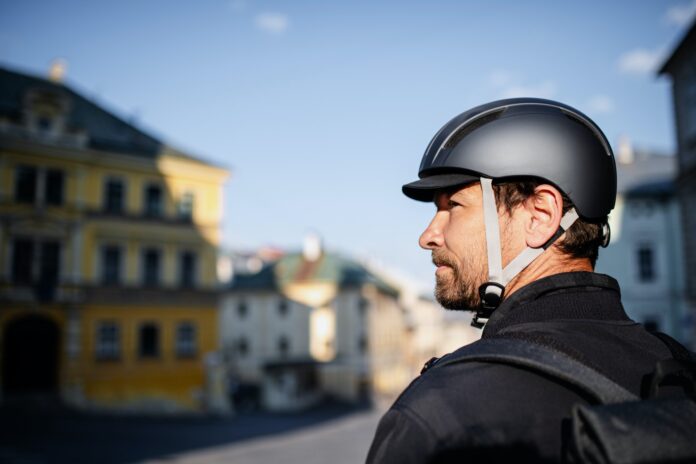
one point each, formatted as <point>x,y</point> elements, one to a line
<point>456,289</point>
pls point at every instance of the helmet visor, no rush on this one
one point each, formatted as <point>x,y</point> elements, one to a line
<point>424,189</point>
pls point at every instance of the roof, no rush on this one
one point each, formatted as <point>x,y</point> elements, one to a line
<point>265,279</point>
<point>686,46</point>
<point>294,268</point>
<point>105,131</point>
<point>646,167</point>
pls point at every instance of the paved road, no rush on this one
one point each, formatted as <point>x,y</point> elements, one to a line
<point>334,434</point>
<point>341,441</point>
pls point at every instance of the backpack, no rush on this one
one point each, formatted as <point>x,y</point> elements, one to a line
<point>619,427</point>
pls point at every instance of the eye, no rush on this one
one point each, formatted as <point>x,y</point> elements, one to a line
<point>451,204</point>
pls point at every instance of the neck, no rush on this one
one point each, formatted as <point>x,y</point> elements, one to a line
<point>551,262</point>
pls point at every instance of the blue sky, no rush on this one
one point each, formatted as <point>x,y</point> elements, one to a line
<point>322,109</point>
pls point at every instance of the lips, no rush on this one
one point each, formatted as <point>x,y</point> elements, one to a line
<point>441,262</point>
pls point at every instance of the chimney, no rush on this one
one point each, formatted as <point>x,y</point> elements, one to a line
<point>57,71</point>
<point>625,151</point>
<point>312,249</point>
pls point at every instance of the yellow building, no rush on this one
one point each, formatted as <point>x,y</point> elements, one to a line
<point>108,243</point>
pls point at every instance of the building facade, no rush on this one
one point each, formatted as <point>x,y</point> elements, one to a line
<point>108,242</point>
<point>299,327</point>
<point>681,67</point>
<point>311,325</point>
<point>645,251</point>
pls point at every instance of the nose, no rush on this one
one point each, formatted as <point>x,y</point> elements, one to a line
<point>432,237</point>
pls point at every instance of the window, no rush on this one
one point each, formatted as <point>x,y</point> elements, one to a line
<point>242,346</point>
<point>113,196</point>
<point>187,269</point>
<point>54,187</point>
<point>151,266</point>
<point>646,265</point>
<point>185,340</point>
<point>153,200</point>
<point>186,206</point>
<point>22,261</point>
<point>363,304</point>
<point>283,307</point>
<point>49,263</point>
<point>148,341</point>
<point>111,265</point>
<point>362,344</point>
<point>242,309</point>
<point>25,184</point>
<point>44,124</point>
<point>36,262</point>
<point>108,344</point>
<point>283,346</point>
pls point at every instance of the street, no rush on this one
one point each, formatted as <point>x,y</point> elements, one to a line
<point>337,434</point>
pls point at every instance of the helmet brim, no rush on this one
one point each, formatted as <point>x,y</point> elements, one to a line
<point>424,189</point>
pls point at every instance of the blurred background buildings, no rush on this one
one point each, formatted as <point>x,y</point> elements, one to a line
<point>313,324</point>
<point>117,293</point>
<point>681,67</point>
<point>108,246</point>
<point>135,278</point>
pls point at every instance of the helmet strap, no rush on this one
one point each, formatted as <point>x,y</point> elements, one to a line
<point>492,291</point>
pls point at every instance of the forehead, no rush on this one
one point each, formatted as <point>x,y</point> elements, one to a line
<point>468,191</point>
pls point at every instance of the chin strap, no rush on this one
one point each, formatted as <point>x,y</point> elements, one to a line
<point>493,290</point>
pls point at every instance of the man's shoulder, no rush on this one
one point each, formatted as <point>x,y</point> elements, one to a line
<point>479,392</point>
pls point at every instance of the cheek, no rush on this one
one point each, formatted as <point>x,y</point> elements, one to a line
<point>466,240</point>
<point>512,238</point>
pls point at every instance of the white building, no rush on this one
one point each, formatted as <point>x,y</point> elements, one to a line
<point>645,252</point>
<point>314,324</point>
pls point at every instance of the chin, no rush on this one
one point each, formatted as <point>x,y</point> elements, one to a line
<point>454,303</point>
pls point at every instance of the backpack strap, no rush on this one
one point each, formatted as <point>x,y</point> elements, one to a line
<point>544,360</point>
<point>679,352</point>
<point>679,370</point>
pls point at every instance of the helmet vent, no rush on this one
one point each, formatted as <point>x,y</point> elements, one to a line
<point>587,125</point>
<point>469,127</point>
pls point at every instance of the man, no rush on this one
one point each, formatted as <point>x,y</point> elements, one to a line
<point>522,190</point>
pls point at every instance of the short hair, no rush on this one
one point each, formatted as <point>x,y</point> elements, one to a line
<point>584,237</point>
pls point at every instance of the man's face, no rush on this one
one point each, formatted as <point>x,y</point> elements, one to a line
<point>457,239</point>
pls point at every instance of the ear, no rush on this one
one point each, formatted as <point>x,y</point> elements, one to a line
<point>544,212</point>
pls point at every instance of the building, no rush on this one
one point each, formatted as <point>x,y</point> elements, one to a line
<point>432,330</point>
<point>681,67</point>
<point>307,325</point>
<point>314,324</point>
<point>108,242</point>
<point>645,250</point>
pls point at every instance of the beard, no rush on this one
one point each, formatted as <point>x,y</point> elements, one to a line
<point>455,289</point>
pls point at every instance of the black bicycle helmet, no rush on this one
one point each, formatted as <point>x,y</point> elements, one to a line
<point>513,138</point>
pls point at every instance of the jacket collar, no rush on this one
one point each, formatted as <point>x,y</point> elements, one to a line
<point>570,295</point>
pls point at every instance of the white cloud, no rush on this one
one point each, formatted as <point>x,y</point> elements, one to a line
<point>273,23</point>
<point>680,15</point>
<point>640,61</point>
<point>546,89</point>
<point>600,104</point>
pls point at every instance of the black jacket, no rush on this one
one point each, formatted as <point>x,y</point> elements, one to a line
<point>469,412</point>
